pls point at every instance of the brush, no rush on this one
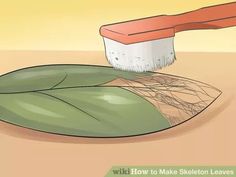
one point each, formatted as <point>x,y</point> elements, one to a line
<point>147,44</point>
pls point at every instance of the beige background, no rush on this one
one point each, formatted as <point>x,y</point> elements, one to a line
<point>74,24</point>
<point>208,139</point>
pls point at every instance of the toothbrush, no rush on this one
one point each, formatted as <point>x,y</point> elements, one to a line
<point>147,44</point>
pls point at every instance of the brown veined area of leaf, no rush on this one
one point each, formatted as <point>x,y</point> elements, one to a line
<point>177,98</point>
<point>97,101</point>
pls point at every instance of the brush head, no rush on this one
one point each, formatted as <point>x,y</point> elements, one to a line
<point>141,56</point>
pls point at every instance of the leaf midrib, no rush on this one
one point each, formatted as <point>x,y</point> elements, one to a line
<point>66,102</point>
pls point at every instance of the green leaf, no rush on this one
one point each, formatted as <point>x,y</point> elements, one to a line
<point>73,100</point>
<point>60,76</point>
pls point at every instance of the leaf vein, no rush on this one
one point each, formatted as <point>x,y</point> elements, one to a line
<point>63,79</point>
<point>52,96</point>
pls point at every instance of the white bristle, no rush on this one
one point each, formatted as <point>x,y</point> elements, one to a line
<point>142,56</point>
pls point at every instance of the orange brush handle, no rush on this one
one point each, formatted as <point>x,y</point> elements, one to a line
<point>158,27</point>
<point>215,17</point>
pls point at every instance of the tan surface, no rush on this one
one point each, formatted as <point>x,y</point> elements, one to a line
<point>209,139</point>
